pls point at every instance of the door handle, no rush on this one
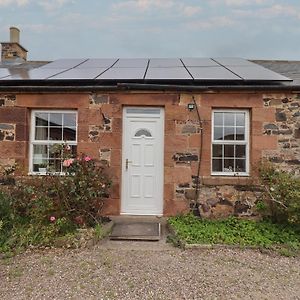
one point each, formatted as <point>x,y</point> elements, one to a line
<point>127,162</point>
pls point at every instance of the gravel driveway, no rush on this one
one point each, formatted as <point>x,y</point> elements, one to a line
<point>166,273</point>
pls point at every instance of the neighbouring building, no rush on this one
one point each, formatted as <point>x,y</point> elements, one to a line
<point>170,130</point>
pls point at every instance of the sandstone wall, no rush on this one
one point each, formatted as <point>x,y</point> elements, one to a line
<point>286,127</point>
<point>274,126</point>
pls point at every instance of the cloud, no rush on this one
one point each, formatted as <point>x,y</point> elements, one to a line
<point>191,10</point>
<point>13,2</point>
<point>36,28</point>
<point>169,6</point>
<point>211,23</point>
<point>144,5</point>
<point>241,2</point>
<point>50,5</point>
<point>275,11</point>
<point>281,10</point>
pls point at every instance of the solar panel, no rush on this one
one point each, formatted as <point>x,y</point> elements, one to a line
<point>123,73</point>
<point>256,73</point>
<point>216,69</point>
<point>97,63</point>
<point>165,63</point>
<point>178,73</point>
<point>63,64</point>
<point>80,73</point>
<point>131,63</point>
<point>212,73</point>
<point>199,62</point>
<point>36,74</point>
<point>233,61</point>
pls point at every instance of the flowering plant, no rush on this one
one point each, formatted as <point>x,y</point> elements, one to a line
<point>84,188</point>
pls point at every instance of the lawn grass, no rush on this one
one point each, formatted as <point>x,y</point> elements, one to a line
<point>234,231</point>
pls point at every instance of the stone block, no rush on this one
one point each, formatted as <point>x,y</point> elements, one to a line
<point>58,101</point>
<point>270,126</point>
<point>185,157</point>
<point>99,99</point>
<point>105,155</point>
<point>188,129</point>
<point>178,174</point>
<point>117,125</point>
<point>297,133</point>
<point>280,115</point>
<point>175,142</point>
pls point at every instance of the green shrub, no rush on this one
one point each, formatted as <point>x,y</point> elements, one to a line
<point>282,194</point>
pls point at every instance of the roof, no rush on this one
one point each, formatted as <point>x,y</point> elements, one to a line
<point>171,73</point>
<point>288,68</point>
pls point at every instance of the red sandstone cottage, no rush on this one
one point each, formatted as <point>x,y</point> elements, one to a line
<point>170,130</point>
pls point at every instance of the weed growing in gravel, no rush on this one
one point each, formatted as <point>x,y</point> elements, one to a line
<point>233,231</point>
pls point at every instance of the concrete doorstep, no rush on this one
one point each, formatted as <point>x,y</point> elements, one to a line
<point>144,231</point>
<point>137,233</point>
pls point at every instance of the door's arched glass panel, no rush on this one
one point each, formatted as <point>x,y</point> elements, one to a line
<point>142,132</point>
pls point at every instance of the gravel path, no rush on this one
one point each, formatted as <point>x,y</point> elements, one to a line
<point>102,273</point>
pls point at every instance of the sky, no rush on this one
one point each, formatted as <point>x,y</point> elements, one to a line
<point>251,29</point>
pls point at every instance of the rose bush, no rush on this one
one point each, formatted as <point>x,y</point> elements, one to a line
<point>39,209</point>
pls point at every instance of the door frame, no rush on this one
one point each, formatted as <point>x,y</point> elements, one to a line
<point>123,158</point>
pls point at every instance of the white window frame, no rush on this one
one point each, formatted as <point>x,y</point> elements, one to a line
<point>48,142</point>
<point>228,142</point>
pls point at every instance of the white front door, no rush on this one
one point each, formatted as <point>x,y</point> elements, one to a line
<point>142,161</point>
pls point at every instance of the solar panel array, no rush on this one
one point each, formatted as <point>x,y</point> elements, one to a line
<point>142,69</point>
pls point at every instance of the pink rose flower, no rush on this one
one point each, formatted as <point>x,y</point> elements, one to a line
<point>87,158</point>
<point>52,219</point>
<point>68,162</point>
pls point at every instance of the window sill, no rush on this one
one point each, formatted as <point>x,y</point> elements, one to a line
<point>231,174</point>
<point>45,174</point>
<point>229,180</point>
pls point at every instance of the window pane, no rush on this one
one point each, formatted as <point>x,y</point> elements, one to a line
<point>228,119</point>
<point>69,120</point>
<point>240,165</point>
<point>41,119</point>
<point>40,166</point>
<point>142,132</point>
<point>218,133</point>
<point>228,165</point>
<point>41,133</point>
<point>40,152</point>
<point>240,119</point>
<point>55,134</point>
<point>69,134</point>
<point>228,150</point>
<point>218,118</point>
<point>240,151</point>
<point>55,151</point>
<point>217,150</point>
<point>229,133</point>
<point>55,119</point>
<point>55,165</point>
<point>217,165</point>
<point>240,133</point>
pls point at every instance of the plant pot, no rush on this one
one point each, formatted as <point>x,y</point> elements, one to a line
<point>42,170</point>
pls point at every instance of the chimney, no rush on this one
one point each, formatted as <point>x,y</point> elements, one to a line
<point>12,51</point>
<point>14,35</point>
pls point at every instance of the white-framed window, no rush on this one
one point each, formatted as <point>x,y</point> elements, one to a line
<point>53,135</point>
<point>230,142</point>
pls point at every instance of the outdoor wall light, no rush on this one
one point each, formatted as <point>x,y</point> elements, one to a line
<point>191,106</point>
